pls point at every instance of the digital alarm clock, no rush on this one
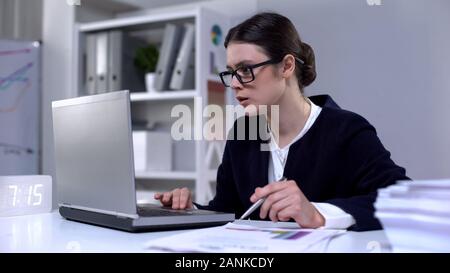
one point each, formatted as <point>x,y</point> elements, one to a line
<point>25,194</point>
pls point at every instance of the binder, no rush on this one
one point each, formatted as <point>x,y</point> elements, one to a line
<point>122,73</point>
<point>101,62</point>
<point>183,76</point>
<point>91,43</point>
<point>168,53</point>
<point>115,57</point>
<point>110,62</point>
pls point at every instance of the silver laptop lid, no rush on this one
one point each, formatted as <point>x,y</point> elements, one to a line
<point>94,153</point>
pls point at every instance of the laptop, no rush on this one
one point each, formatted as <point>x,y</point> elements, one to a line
<point>95,169</point>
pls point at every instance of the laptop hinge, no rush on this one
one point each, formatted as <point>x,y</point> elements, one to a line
<point>115,213</point>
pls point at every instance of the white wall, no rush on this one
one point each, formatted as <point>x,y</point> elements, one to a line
<point>389,63</point>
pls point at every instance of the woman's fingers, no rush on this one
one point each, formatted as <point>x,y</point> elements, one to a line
<point>267,190</point>
<point>277,207</point>
<point>184,198</point>
<point>270,200</point>
<point>177,199</point>
<point>285,214</point>
<point>167,198</point>
<point>190,202</point>
<point>157,196</point>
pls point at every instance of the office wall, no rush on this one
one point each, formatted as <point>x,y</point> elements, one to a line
<point>391,64</point>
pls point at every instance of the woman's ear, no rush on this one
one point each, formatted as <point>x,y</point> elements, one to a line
<point>288,64</point>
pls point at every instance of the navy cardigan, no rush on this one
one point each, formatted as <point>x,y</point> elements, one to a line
<point>340,160</point>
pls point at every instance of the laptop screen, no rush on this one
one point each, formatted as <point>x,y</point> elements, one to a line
<point>94,153</point>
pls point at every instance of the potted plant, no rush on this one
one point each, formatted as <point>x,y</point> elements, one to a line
<point>146,59</point>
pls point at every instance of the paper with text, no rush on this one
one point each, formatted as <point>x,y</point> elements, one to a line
<point>236,237</point>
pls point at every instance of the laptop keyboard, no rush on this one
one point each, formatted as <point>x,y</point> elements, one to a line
<point>152,211</point>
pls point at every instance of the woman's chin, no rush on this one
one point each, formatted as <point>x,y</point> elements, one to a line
<point>250,109</point>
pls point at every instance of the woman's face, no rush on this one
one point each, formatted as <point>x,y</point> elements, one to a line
<point>268,86</point>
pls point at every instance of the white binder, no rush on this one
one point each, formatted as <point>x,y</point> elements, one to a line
<point>102,62</point>
<point>167,56</point>
<point>183,76</point>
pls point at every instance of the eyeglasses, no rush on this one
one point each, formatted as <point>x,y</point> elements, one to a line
<point>245,74</point>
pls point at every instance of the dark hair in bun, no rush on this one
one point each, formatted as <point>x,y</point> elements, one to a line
<point>277,36</point>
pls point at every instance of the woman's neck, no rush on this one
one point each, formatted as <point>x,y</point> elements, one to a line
<point>294,110</point>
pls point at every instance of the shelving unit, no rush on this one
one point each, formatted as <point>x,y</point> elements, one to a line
<point>166,175</point>
<point>190,168</point>
<point>168,95</point>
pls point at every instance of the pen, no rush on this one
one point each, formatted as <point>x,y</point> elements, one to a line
<point>256,204</point>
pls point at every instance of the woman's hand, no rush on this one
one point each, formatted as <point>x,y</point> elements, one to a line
<point>180,198</point>
<point>285,200</point>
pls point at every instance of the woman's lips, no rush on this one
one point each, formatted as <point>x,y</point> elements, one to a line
<point>242,100</point>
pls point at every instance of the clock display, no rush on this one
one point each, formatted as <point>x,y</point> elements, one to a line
<point>28,194</point>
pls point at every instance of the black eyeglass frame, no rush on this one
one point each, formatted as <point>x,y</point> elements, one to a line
<point>251,67</point>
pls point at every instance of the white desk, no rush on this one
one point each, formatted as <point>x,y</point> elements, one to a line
<point>51,233</point>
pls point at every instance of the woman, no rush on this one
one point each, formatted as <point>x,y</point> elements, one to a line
<point>332,159</point>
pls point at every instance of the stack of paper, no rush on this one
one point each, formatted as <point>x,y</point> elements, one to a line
<point>416,215</point>
<point>238,237</point>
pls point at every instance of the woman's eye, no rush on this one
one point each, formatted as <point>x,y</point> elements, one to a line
<point>245,70</point>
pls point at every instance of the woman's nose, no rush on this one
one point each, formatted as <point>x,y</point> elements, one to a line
<point>235,83</point>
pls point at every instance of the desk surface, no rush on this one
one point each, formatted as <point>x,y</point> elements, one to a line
<point>50,232</point>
